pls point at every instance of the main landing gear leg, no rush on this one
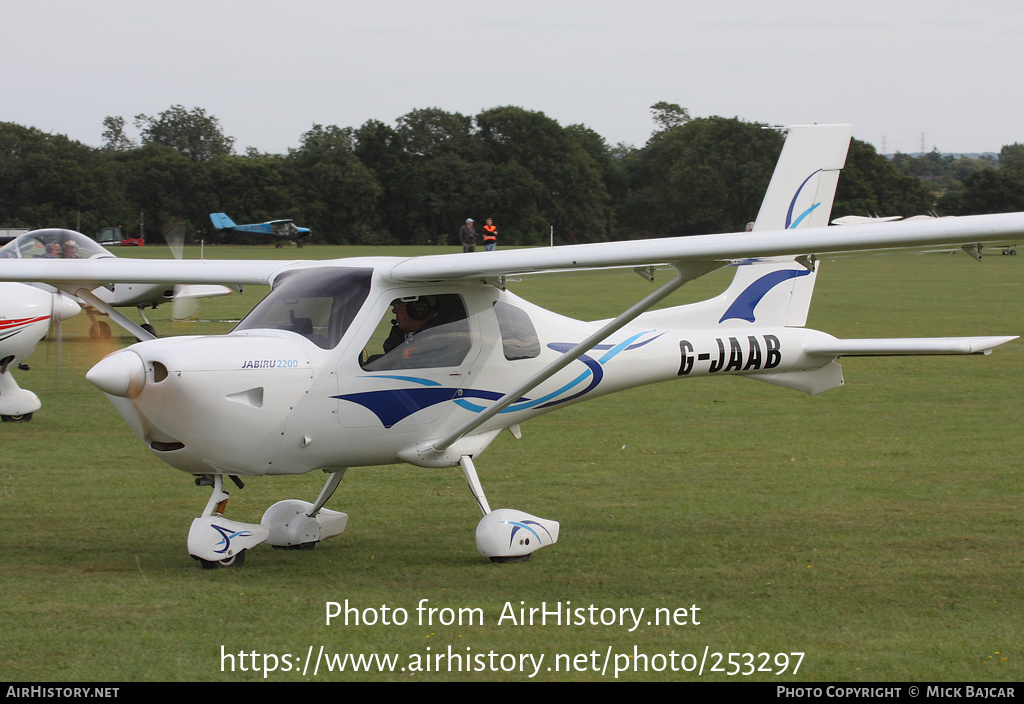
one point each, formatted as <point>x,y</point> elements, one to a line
<point>216,541</point>
<point>506,535</point>
<point>295,524</point>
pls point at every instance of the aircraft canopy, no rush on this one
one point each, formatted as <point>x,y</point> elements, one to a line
<point>52,243</point>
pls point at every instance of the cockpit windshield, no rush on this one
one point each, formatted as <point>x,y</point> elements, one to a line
<point>318,304</point>
<point>52,243</point>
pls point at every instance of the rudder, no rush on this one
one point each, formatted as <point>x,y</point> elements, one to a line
<point>221,221</point>
<point>777,291</point>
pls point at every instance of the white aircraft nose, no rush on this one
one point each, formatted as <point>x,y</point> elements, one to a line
<point>120,374</point>
<point>64,308</point>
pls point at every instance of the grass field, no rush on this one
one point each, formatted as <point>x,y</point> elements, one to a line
<point>876,528</point>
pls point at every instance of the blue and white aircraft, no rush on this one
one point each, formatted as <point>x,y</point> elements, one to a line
<point>275,229</point>
<point>425,360</point>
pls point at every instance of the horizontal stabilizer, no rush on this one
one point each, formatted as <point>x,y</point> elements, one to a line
<point>906,346</point>
<point>864,220</point>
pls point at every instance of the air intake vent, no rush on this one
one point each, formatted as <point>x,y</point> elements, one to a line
<point>159,372</point>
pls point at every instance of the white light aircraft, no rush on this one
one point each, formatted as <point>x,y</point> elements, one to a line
<point>28,312</point>
<point>317,377</point>
<point>53,244</point>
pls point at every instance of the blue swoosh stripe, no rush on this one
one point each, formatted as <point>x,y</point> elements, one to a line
<point>594,369</point>
<point>743,307</point>
<point>803,215</point>
<point>792,204</point>
<point>391,406</point>
<point>517,525</point>
<point>394,405</point>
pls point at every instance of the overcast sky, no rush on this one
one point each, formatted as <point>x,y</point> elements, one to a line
<point>945,71</point>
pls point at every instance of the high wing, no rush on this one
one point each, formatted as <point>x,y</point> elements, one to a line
<point>68,273</point>
<point>725,248</point>
<point>721,248</point>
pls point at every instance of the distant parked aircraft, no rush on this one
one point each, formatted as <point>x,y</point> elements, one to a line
<point>275,229</point>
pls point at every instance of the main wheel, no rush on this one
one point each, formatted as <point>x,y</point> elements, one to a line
<point>23,418</point>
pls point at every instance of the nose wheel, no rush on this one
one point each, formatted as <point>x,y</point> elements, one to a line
<point>236,560</point>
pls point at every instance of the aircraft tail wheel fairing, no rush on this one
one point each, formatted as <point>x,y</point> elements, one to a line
<point>290,525</point>
<point>507,535</point>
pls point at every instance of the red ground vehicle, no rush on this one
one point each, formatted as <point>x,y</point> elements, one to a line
<point>115,237</point>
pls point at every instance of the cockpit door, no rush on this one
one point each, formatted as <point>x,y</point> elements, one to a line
<point>407,374</point>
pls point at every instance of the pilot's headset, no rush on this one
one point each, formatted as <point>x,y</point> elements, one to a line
<point>421,307</point>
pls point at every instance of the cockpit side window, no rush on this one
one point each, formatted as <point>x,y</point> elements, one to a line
<point>518,335</point>
<point>319,304</point>
<point>420,332</point>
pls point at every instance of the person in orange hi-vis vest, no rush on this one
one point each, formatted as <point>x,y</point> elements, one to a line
<point>490,233</point>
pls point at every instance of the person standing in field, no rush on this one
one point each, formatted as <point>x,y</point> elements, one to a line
<point>490,233</point>
<point>467,235</point>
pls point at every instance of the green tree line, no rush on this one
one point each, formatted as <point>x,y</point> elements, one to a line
<point>417,180</point>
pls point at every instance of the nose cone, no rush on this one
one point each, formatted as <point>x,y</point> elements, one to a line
<point>120,374</point>
<point>64,308</point>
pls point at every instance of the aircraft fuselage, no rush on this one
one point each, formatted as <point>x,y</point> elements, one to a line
<point>267,401</point>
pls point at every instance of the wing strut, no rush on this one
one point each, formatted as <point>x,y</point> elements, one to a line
<point>684,272</point>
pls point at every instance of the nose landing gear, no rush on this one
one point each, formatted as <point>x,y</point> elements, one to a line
<point>217,541</point>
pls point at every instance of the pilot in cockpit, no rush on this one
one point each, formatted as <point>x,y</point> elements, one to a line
<point>411,317</point>
<point>423,334</point>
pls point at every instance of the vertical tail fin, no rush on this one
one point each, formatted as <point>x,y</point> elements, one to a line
<point>804,183</point>
<point>777,291</point>
<point>800,195</point>
<point>221,221</point>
